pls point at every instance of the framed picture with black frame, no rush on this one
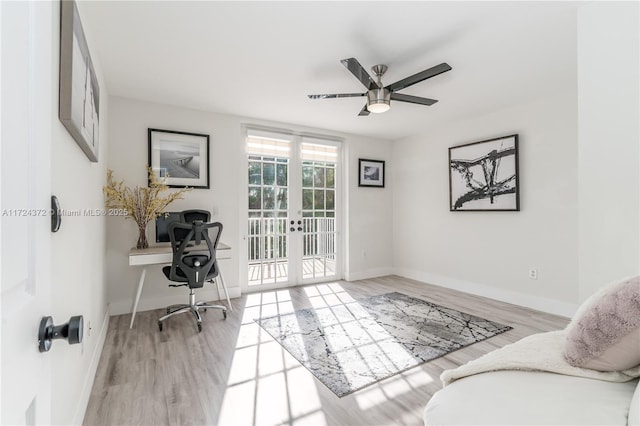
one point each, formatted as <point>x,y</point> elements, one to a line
<point>483,176</point>
<point>179,158</point>
<point>371,173</point>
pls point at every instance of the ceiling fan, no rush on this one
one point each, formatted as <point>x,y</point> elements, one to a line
<point>378,96</point>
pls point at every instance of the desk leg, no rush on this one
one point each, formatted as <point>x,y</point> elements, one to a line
<point>139,292</point>
<point>224,287</point>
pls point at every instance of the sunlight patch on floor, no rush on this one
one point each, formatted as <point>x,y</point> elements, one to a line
<point>392,387</point>
<point>370,397</point>
<point>266,385</point>
<point>243,366</point>
<point>419,378</point>
<point>396,387</point>
<point>302,402</point>
<point>270,358</point>
<point>314,419</point>
<point>272,400</point>
<point>236,409</point>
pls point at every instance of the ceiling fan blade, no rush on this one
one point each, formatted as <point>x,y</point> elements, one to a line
<point>417,78</point>
<point>364,111</point>
<point>337,95</point>
<point>356,69</point>
<point>412,99</point>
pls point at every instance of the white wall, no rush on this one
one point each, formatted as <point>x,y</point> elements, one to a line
<point>128,151</point>
<point>370,214</point>
<point>580,187</point>
<point>78,253</point>
<point>608,140</point>
<point>489,253</point>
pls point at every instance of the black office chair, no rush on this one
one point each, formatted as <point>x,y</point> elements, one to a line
<point>194,267</point>
<point>190,216</point>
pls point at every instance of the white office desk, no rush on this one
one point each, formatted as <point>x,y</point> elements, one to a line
<point>158,255</point>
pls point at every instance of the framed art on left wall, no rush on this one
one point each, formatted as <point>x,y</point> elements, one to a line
<point>79,108</point>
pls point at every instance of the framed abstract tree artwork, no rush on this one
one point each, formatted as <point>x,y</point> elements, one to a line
<point>483,176</point>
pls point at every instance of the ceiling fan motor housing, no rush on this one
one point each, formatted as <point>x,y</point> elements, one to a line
<point>378,100</point>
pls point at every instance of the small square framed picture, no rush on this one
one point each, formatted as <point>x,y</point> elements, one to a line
<point>371,173</point>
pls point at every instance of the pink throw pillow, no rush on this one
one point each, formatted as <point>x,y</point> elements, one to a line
<point>604,334</point>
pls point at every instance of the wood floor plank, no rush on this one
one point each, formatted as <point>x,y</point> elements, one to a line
<point>235,373</point>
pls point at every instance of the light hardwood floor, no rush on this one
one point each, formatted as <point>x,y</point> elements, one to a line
<point>233,373</point>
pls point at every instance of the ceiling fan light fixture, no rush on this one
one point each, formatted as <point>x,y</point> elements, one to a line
<point>378,95</point>
<point>378,100</point>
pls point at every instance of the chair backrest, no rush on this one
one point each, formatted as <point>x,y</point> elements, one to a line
<point>190,216</point>
<point>196,264</point>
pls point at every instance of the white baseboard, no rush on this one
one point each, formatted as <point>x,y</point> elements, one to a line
<point>370,273</point>
<point>120,307</point>
<point>81,408</point>
<point>543,304</point>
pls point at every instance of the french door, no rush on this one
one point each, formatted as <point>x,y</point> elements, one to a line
<point>293,210</point>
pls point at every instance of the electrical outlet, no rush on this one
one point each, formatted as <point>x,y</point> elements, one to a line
<point>533,274</point>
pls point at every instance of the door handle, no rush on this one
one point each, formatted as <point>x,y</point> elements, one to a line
<point>292,229</point>
<point>71,331</point>
<point>56,214</point>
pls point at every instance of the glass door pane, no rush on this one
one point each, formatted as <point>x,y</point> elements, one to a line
<point>319,252</point>
<point>268,203</point>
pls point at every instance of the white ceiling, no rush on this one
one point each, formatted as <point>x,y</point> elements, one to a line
<point>261,59</point>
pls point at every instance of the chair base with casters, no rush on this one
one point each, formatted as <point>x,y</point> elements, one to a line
<point>193,265</point>
<point>192,307</point>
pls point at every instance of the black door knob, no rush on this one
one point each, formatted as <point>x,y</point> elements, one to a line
<point>72,331</point>
<point>299,222</point>
<point>293,222</point>
<point>292,229</point>
<point>56,214</point>
<point>299,228</point>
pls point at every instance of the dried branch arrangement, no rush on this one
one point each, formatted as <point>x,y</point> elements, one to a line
<point>142,204</point>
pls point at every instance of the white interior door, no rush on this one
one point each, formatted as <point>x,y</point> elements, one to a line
<point>293,210</point>
<point>25,128</point>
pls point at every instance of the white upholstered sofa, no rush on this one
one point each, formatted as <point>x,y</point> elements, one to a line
<point>534,398</point>
<point>540,380</point>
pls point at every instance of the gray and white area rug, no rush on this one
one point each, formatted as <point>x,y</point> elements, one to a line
<point>351,345</point>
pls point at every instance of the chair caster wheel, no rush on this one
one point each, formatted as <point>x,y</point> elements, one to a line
<point>224,313</point>
<point>199,327</point>
<point>160,325</point>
